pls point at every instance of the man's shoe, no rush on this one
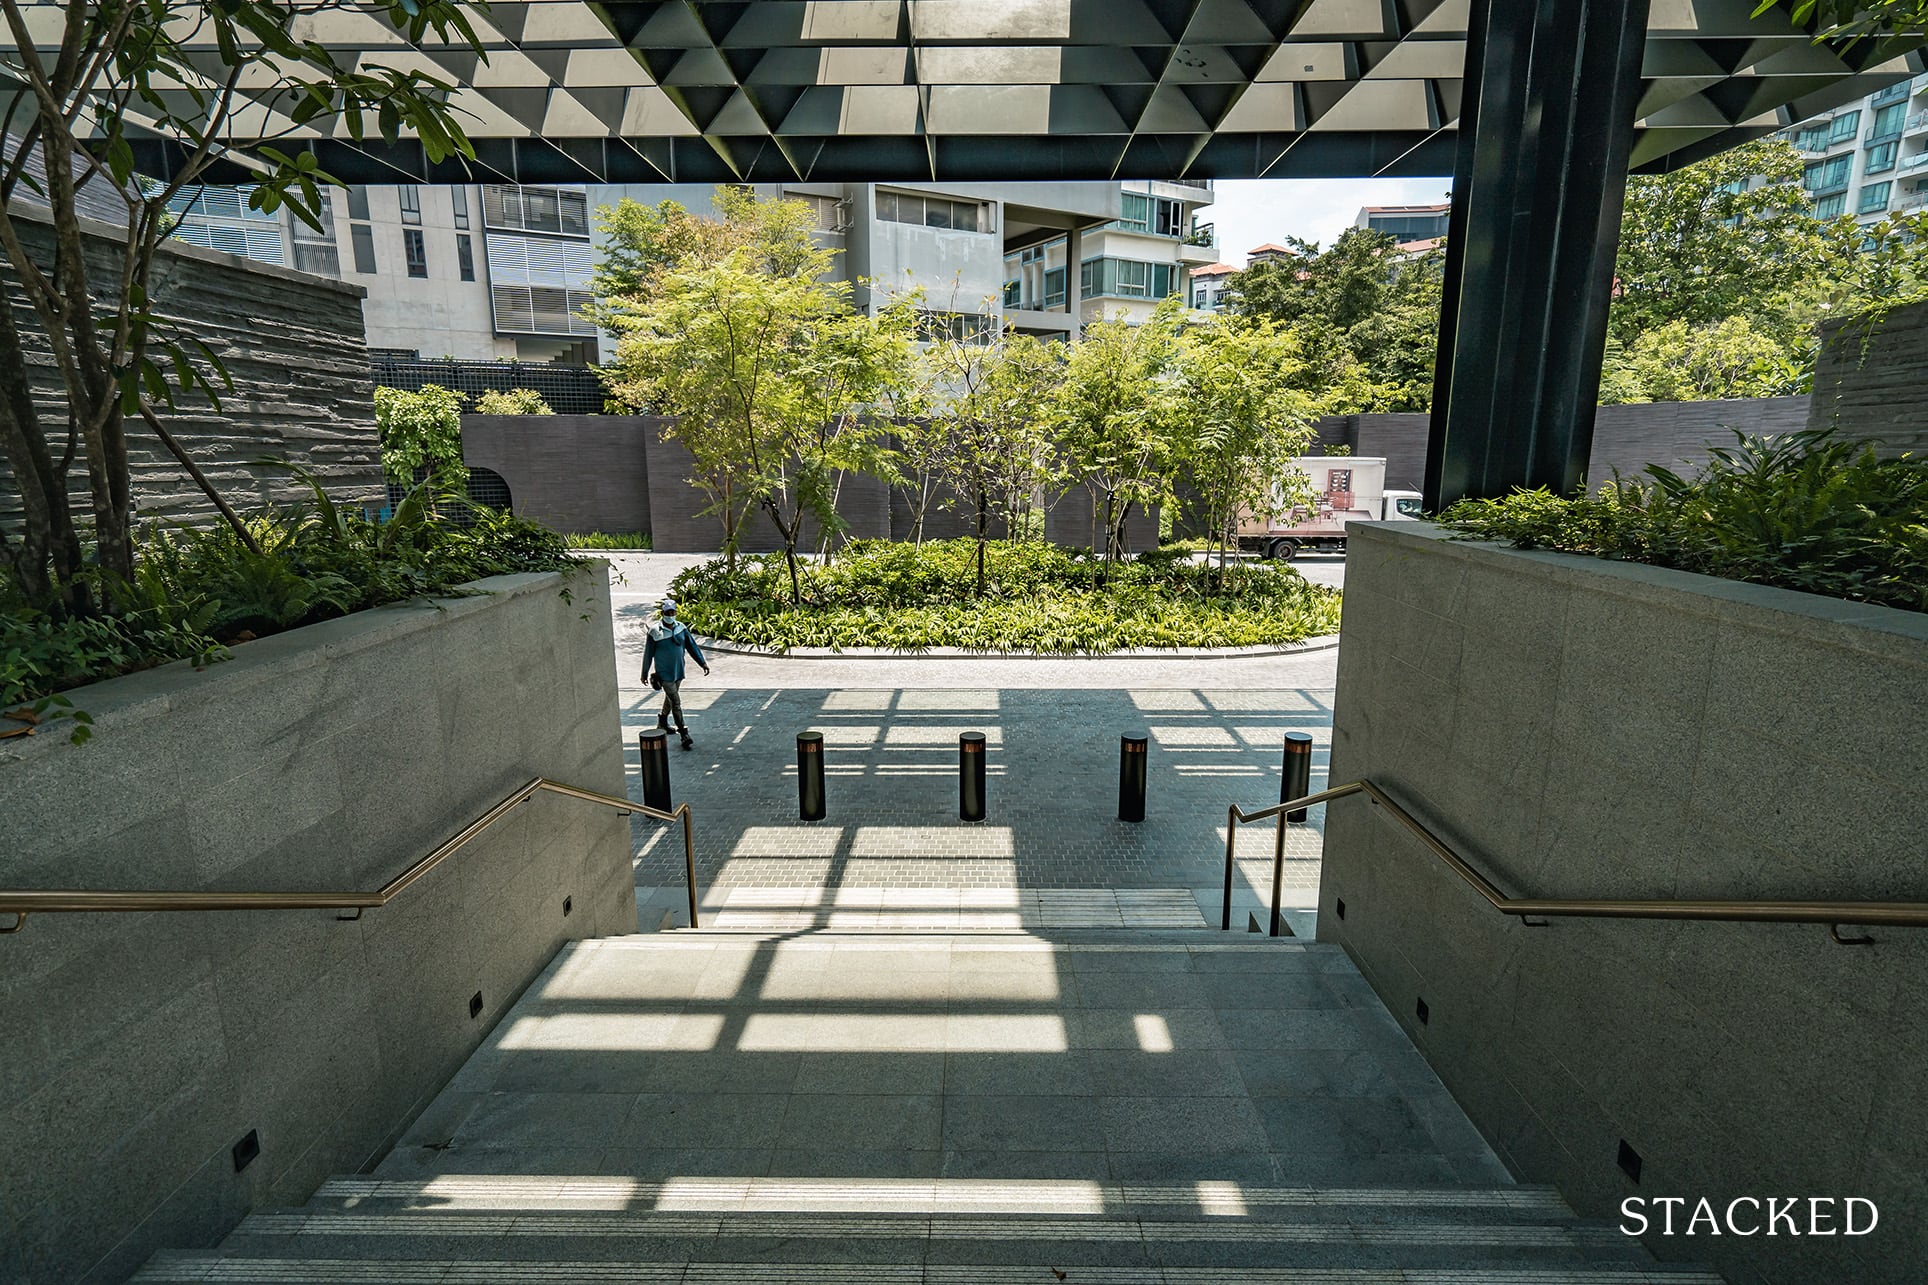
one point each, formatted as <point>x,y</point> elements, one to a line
<point>687,742</point>
<point>662,722</point>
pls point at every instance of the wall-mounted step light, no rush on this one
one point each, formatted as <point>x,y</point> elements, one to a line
<point>1629,1161</point>
<point>246,1150</point>
<point>1422,1012</point>
<point>475,1004</point>
<point>568,904</point>
<point>1339,907</point>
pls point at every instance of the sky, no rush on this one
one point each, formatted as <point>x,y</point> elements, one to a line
<point>1250,212</point>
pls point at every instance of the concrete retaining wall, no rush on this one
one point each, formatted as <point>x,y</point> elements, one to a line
<point>140,1048</point>
<point>1871,377</point>
<point>1582,728</point>
<point>292,342</point>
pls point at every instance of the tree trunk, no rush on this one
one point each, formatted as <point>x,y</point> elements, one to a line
<point>48,536</point>
<point>789,534</point>
<point>201,480</point>
<point>983,535</point>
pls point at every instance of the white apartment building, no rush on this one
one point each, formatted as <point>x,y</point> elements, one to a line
<point>488,271</point>
<point>1126,265</point>
<point>1868,159</point>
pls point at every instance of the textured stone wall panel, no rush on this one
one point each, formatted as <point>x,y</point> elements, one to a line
<point>1872,377</point>
<point>569,472</point>
<point>293,345</point>
<point>1068,522</point>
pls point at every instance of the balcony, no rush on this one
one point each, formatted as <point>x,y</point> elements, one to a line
<point>1916,123</point>
<point>1914,162</point>
<point>1200,245</point>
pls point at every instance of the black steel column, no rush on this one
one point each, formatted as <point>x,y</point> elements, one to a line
<point>654,747</point>
<point>1131,777</point>
<point>1545,130</point>
<point>810,805</point>
<point>970,776</point>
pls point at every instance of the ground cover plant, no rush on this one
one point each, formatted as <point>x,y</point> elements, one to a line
<point>1037,597</point>
<point>1804,511</point>
<point>608,540</point>
<point>196,592</point>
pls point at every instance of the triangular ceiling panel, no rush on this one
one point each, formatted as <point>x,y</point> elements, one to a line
<point>994,89</point>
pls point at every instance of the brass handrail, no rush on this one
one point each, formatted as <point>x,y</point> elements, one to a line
<point>20,902</point>
<point>1896,914</point>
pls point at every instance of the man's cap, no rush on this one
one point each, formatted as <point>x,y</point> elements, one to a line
<point>667,604</point>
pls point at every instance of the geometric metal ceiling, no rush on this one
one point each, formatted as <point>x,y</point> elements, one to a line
<point>989,90</point>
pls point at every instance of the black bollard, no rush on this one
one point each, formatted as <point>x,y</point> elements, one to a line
<point>1296,781</point>
<point>810,776</point>
<point>970,776</point>
<point>1131,777</point>
<point>654,747</point>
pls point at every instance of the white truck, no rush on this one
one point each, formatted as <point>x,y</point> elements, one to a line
<point>1347,488</point>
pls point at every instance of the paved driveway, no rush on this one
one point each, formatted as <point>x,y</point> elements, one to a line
<point>891,729</point>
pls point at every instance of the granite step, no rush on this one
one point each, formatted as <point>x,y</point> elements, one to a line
<point>1337,1240</point>
<point>176,1266</point>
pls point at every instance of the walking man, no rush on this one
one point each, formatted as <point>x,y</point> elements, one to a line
<point>668,640</point>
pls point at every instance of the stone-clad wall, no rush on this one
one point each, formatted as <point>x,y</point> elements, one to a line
<point>582,473</point>
<point>293,344</point>
<point>569,472</point>
<point>1872,377</point>
<point>678,524</point>
<point>1593,729</point>
<point>140,1048</point>
<point>1675,435</point>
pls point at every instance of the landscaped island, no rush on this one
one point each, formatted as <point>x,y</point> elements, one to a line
<point>1037,598</point>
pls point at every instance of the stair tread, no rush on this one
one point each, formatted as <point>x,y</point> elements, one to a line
<point>549,1222</point>
<point>934,1195</point>
<point>175,1266</point>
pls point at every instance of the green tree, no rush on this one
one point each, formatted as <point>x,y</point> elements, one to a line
<point>1236,388</point>
<point>988,439</point>
<point>102,73</point>
<point>516,401</point>
<point>421,433</point>
<point>1729,236</point>
<point>1367,313</point>
<point>1903,22</point>
<point>1113,418</point>
<point>1675,362</point>
<point>773,380</point>
<point>640,242</point>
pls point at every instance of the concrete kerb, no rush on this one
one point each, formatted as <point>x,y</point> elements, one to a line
<point>723,646</point>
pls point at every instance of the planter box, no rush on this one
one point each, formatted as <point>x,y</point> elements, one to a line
<point>141,1048</point>
<point>1585,728</point>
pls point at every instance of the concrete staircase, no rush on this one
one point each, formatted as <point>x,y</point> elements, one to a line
<point>971,1109</point>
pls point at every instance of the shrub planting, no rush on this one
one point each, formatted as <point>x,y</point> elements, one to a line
<point>1804,511</point>
<point>1037,597</point>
